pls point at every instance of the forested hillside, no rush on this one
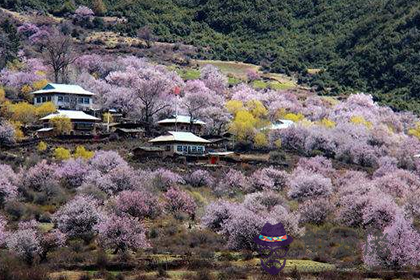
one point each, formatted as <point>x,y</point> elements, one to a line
<point>362,45</point>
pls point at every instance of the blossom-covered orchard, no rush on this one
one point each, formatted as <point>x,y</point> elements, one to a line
<point>107,202</point>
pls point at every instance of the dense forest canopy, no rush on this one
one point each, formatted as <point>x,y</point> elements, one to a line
<point>360,45</point>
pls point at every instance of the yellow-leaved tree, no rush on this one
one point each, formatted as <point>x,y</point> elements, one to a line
<point>294,117</point>
<point>42,146</point>
<point>360,120</point>
<point>260,140</point>
<point>234,106</point>
<point>243,125</point>
<point>39,84</point>
<point>6,109</point>
<point>257,109</point>
<point>61,125</point>
<point>22,112</point>
<point>415,131</point>
<point>2,95</point>
<point>45,109</point>
<point>277,143</point>
<point>327,123</point>
<point>107,118</point>
<point>18,130</point>
<point>26,90</point>
<point>61,153</point>
<point>81,152</point>
<point>249,120</point>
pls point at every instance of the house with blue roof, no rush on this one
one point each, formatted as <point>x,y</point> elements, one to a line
<point>71,97</point>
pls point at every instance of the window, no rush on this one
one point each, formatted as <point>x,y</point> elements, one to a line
<point>49,98</point>
<point>38,100</point>
<point>81,100</point>
<point>185,149</point>
<point>44,99</point>
<point>200,149</point>
<point>86,100</point>
<point>60,99</point>
<point>66,99</point>
<point>83,126</point>
<point>179,149</point>
<point>194,149</point>
<point>168,148</point>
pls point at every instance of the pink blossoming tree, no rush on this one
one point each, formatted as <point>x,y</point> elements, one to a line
<point>25,243</point>
<point>7,133</point>
<point>8,184</point>
<point>305,185</point>
<point>231,182</point>
<point>121,233</point>
<point>269,179</point>
<point>200,178</point>
<point>78,217</point>
<point>177,200</point>
<point>3,232</point>
<point>73,172</point>
<point>213,78</point>
<point>397,247</point>
<point>139,204</point>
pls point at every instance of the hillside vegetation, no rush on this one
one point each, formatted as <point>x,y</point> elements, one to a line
<point>362,45</point>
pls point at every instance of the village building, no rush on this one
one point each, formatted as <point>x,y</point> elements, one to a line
<point>181,143</point>
<point>217,157</point>
<point>129,132</point>
<point>219,142</point>
<point>71,97</point>
<point>280,124</point>
<point>126,129</point>
<point>182,123</point>
<point>146,152</point>
<point>83,124</point>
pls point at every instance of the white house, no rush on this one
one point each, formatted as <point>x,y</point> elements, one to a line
<point>182,123</point>
<point>63,96</point>
<point>182,143</point>
<point>82,122</point>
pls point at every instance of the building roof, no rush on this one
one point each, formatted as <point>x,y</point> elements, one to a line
<point>180,119</point>
<point>221,153</point>
<point>62,88</point>
<point>281,124</point>
<point>150,149</point>
<point>130,130</point>
<point>73,115</point>
<point>45,129</point>
<point>176,136</point>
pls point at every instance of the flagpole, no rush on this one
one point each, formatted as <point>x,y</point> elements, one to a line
<point>176,113</point>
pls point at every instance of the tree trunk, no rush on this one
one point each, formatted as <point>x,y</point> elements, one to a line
<point>56,75</point>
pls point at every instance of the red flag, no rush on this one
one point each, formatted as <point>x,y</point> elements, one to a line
<point>177,90</point>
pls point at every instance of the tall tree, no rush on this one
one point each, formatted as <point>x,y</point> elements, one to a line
<point>197,97</point>
<point>147,89</point>
<point>59,54</point>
